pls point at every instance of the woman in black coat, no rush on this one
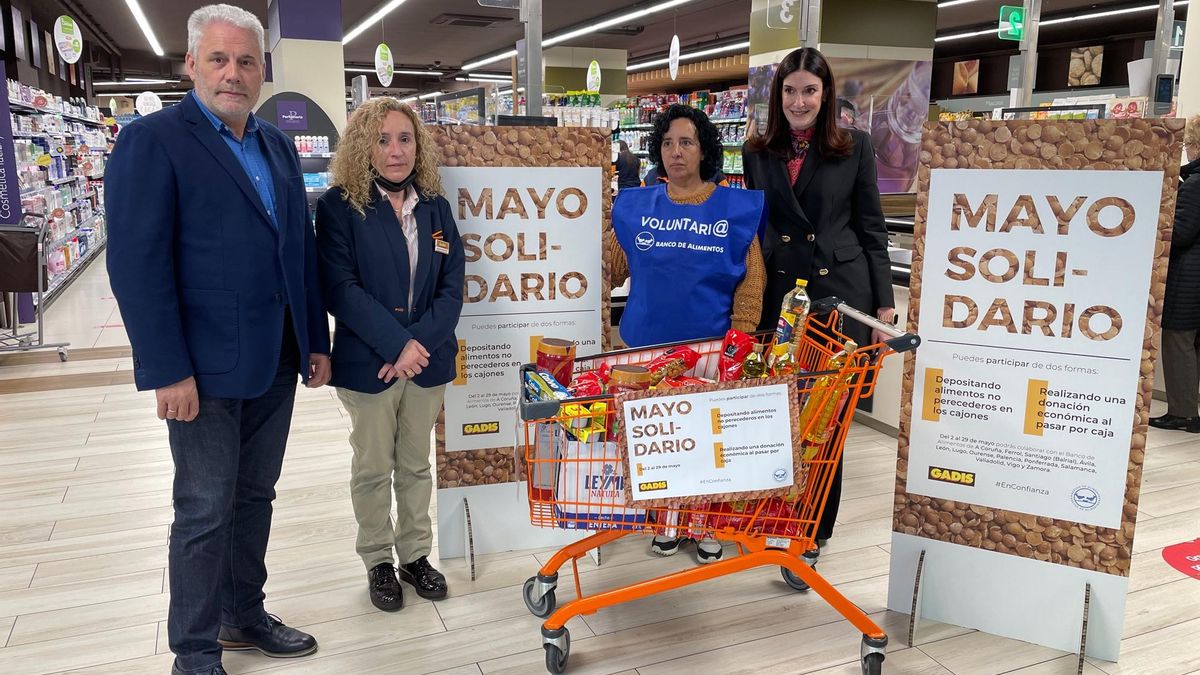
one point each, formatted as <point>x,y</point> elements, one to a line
<point>825,222</point>
<point>1181,306</point>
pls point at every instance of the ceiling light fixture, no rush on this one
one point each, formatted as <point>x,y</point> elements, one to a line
<point>1061,20</point>
<point>952,3</point>
<point>431,73</point>
<point>485,78</point>
<point>132,82</point>
<point>144,24</point>
<point>432,94</point>
<point>578,32</point>
<point>366,23</point>
<point>644,65</point>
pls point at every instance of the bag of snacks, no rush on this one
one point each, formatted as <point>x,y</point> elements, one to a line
<point>672,363</point>
<point>734,350</point>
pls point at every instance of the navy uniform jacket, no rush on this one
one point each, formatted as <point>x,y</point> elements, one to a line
<point>365,279</point>
<point>201,274</point>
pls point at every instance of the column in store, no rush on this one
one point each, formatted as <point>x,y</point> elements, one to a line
<point>305,45</point>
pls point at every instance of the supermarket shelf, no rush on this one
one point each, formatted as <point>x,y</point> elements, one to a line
<point>728,120</point>
<point>60,282</point>
<point>64,181</point>
<point>76,118</point>
<point>315,190</point>
<point>32,134</point>
<point>26,107</point>
<point>731,145</point>
<point>315,155</point>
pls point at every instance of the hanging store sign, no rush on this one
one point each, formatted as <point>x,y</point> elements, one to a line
<point>673,57</point>
<point>593,76</point>
<point>148,102</point>
<point>383,64</point>
<point>67,38</point>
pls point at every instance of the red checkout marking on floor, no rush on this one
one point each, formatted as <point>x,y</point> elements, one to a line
<point>1184,557</point>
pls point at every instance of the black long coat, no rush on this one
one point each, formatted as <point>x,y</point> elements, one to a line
<point>828,228</point>
<point>1181,306</point>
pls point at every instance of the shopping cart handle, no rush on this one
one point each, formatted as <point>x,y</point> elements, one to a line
<point>898,340</point>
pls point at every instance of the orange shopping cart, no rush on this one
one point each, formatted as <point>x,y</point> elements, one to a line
<point>573,464</point>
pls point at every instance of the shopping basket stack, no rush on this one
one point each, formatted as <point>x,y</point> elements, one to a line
<point>574,466</point>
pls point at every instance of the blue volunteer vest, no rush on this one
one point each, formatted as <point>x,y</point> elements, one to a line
<point>685,261</point>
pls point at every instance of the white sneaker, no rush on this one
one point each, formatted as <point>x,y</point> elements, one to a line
<point>708,550</point>
<point>665,546</point>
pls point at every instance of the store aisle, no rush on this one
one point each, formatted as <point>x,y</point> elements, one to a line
<point>86,313</point>
<point>85,506</point>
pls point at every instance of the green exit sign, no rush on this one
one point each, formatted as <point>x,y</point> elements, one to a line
<point>1012,22</point>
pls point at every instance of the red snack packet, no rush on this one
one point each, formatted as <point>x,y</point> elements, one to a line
<point>682,381</point>
<point>591,383</point>
<point>734,350</point>
<point>672,363</point>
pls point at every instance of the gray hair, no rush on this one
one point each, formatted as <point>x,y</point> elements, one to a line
<point>234,16</point>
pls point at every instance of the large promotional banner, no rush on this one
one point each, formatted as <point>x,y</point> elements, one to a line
<point>1043,245</point>
<point>531,204</point>
<point>532,238</point>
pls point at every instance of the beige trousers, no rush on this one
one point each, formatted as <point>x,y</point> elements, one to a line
<point>390,438</point>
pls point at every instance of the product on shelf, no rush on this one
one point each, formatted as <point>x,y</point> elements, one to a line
<point>318,145</point>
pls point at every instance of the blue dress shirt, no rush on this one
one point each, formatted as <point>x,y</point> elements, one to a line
<point>249,153</point>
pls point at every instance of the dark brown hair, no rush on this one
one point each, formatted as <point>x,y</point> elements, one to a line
<point>831,140</point>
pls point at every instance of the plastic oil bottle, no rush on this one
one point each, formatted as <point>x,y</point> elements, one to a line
<point>792,314</point>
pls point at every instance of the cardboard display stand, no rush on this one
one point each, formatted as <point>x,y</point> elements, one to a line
<point>1040,263</point>
<point>531,204</point>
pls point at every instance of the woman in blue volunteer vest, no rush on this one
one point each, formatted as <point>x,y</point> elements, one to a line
<point>690,249</point>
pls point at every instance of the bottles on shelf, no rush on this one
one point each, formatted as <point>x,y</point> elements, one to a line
<point>312,144</point>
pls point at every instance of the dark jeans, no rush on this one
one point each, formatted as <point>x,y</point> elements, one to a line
<point>227,461</point>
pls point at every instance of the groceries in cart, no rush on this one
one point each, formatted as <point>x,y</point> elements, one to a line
<point>590,490</point>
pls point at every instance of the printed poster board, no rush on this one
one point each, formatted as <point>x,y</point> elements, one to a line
<point>1040,261</point>
<point>720,442</point>
<point>531,204</point>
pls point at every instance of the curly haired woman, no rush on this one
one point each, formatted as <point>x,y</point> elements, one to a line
<point>392,267</point>
<point>690,249</point>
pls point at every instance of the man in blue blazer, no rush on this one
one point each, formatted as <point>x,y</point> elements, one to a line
<point>212,259</point>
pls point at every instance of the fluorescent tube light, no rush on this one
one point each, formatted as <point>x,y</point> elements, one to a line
<point>578,32</point>
<point>1061,20</point>
<point>144,24</point>
<point>431,73</point>
<point>644,65</point>
<point>132,82</point>
<point>432,94</point>
<point>366,23</point>
<point>952,3</point>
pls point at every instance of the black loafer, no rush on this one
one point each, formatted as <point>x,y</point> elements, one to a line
<point>215,670</point>
<point>1176,423</point>
<point>430,583</point>
<point>270,637</point>
<point>384,589</point>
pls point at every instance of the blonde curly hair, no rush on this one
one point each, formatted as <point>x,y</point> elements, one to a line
<point>352,163</point>
<point>1191,133</point>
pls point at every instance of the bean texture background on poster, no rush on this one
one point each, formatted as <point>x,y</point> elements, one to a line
<point>531,205</point>
<point>1028,382</point>
<point>1039,268</point>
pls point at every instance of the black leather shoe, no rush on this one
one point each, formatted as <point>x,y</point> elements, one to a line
<point>215,670</point>
<point>430,583</point>
<point>1176,423</point>
<point>385,590</point>
<point>270,637</point>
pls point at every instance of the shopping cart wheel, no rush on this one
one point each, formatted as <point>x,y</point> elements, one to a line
<point>794,581</point>
<point>873,652</point>
<point>62,355</point>
<point>810,559</point>
<point>558,648</point>
<point>872,664</point>
<point>543,606</point>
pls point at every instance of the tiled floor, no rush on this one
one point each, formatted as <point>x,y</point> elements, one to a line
<point>85,505</point>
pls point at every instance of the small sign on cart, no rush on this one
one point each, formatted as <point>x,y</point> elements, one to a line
<point>721,442</point>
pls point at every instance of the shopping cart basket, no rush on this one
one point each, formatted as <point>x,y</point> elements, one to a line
<point>771,531</point>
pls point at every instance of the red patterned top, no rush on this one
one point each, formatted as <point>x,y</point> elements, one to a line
<point>800,142</point>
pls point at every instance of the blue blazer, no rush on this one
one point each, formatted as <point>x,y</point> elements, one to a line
<point>364,277</point>
<point>201,275</point>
